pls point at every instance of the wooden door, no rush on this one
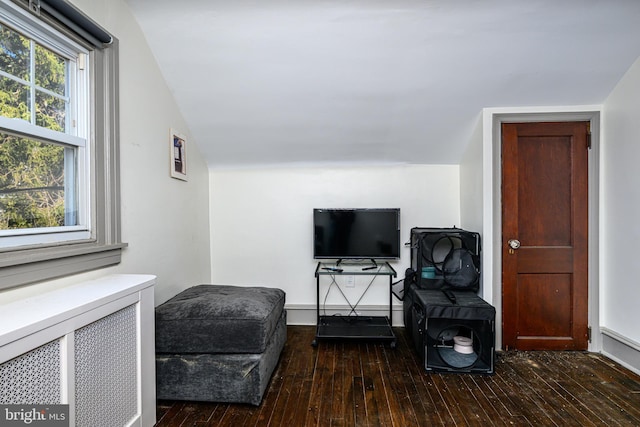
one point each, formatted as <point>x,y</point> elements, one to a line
<point>545,210</point>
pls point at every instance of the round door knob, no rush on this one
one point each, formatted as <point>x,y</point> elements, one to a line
<point>514,243</point>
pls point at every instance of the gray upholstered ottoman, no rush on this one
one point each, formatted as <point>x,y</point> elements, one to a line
<point>219,343</point>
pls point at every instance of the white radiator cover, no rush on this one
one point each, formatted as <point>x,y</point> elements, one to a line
<point>90,345</point>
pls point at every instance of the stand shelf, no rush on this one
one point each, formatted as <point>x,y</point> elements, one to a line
<point>352,325</point>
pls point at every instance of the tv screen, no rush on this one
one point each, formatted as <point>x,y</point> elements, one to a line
<point>356,233</point>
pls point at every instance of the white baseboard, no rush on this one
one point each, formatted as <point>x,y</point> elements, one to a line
<point>304,314</point>
<point>621,349</point>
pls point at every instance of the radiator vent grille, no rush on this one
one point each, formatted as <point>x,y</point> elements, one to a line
<point>32,378</point>
<point>106,370</point>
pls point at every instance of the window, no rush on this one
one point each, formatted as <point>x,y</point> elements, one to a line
<point>43,141</point>
<point>59,195</point>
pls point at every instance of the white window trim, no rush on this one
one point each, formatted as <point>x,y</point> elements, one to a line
<point>75,135</point>
<point>25,128</point>
<point>103,247</point>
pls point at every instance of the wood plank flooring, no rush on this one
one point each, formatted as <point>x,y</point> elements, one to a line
<point>369,384</point>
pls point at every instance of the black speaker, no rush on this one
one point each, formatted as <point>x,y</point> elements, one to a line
<point>453,336</point>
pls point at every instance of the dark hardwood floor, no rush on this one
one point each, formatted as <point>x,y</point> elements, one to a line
<point>370,384</point>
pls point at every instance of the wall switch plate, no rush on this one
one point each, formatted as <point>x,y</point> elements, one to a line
<point>350,282</point>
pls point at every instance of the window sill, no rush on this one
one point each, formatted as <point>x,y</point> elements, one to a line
<point>32,265</point>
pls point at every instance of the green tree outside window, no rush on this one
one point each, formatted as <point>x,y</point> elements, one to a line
<point>32,172</point>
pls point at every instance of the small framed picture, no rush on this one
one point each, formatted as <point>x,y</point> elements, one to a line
<point>178,156</point>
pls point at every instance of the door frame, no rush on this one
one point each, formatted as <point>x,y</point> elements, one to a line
<point>492,119</point>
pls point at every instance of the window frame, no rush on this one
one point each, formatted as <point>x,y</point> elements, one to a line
<point>74,139</point>
<point>22,265</point>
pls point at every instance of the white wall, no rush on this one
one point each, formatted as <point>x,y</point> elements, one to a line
<point>620,291</point>
<point>164,221</point>
<point>471,196</point>
<point>261,219</point>
<point>471,181</point>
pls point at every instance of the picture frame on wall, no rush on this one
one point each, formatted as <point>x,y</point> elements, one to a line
<point>178,156</point>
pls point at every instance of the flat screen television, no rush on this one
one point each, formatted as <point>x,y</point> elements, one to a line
<point>356,233</point>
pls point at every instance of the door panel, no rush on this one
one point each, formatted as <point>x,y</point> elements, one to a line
<point>544,207</point>
<point>543,300</point>
<point>544,178</point>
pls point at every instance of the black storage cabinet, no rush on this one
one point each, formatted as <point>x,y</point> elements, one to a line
<point>431,247</point>
<point>432,318</point>
<point>436,320</point>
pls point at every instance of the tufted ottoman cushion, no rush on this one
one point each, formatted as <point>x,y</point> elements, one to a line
<point>218,319</point>
<point>220,377</point>
<point>219,343</point>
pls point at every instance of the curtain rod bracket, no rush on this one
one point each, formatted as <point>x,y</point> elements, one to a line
<point>34,7</point>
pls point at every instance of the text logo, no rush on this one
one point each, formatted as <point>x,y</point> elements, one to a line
<point>34,415</point>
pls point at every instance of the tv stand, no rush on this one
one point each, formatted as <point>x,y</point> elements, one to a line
<point>371,267</point>
<point>353,325</point>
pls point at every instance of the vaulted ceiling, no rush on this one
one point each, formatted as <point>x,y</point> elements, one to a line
<point>277,82</point>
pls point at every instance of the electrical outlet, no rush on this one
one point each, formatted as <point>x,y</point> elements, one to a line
<point>350,282</point>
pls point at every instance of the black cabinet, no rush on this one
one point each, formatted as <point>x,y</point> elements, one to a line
<point>454,333</point>
<point>451,327</point>
<point>446,258</point>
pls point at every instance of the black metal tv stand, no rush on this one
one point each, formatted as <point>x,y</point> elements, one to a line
<point>352,325</point>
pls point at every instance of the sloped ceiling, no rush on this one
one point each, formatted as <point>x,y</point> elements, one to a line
<point>276,82</point>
